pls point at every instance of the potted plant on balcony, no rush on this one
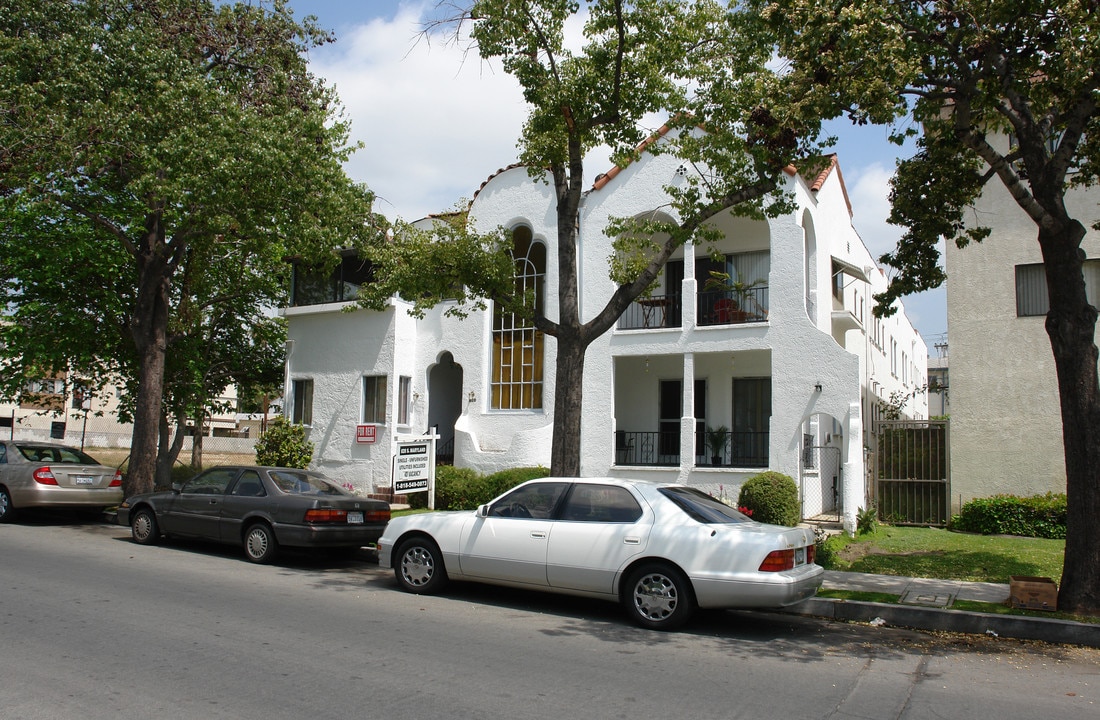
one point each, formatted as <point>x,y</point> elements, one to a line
<point>740,304</point>
<point>716,441</point>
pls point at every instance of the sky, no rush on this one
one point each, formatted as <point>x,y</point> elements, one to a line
<point>436,123</point>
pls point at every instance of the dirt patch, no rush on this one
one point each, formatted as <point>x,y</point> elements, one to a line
<point>855,551</point>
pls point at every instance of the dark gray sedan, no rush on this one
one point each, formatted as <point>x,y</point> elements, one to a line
<point>261,508</point>
<point>39,474</point>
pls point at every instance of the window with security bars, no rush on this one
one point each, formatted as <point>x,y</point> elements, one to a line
<point>1031,287</point>
<point>518,348</point>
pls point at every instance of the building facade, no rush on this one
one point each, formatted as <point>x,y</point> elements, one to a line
<point>780,366</point>
<point>1006,426</point>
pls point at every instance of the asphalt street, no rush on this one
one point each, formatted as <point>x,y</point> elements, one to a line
<point>94,626</point>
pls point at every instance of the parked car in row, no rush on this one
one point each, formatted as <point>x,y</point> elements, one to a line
<point>260,508</point>
<point>37,474</point>
<point>660,549</point>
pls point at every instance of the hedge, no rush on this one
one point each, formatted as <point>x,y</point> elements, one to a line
<point>1041,516</point>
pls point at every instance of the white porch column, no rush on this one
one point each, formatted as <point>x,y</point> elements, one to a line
<point>687,420</point>
<point>855,472</point>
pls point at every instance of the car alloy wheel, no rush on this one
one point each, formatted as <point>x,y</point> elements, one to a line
<point>658,597</point>
<point>419,568</point>
<point>7,510</point>
<point>259,544</point>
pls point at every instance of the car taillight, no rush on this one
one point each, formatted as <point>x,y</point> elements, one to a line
<point>326,515</point>
<point>44,476</point>
<point>778,561</point>
<point>116,481</point>
<point>811,554</point>
<point>378,516</point>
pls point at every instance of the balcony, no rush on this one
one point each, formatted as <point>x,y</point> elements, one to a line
<point>655,311</point>
<point>654,448</point>
<point>729,307</point>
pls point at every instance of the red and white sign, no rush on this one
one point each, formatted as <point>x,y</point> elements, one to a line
<point>366,433</point>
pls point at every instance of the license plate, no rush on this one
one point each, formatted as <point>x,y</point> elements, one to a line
<point>355,518</point>
<point>83,480</point>
<point>800,556</point>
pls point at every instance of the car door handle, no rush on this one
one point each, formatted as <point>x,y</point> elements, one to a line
<point>538,535</point>
<point>632,541</point>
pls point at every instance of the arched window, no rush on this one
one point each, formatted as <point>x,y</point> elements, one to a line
<point>518,348</point>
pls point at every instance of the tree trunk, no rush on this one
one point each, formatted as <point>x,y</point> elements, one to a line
<point>1071,324</point>
<point>149,328</point>
<point>565,452</point>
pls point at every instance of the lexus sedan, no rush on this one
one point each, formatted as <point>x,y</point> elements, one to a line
<point>38,474</point>
<point>259,508</point>
<point>660,549</point>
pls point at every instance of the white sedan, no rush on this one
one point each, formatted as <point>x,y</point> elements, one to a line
<point>660,549</point>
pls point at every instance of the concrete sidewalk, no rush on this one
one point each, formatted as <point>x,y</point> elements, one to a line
<point>926,604</point>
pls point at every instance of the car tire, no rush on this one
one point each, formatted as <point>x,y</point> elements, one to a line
<point>657,596</point>
<point>7,510</point>
<point>260,545</point>
<point>419,568</point>
<point>143,527</point>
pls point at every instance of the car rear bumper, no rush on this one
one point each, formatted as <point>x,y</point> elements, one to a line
<point>758,590</point>
<point>328,535</point>
<point>55,496</point>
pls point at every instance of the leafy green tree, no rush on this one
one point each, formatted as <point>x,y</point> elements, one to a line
<point>682,59</point>
<point>159,136</point>
<point>964,75</point>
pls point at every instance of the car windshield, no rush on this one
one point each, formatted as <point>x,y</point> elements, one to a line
<point>55,454</point>
<point>301,483</point>
<point>703,507</point>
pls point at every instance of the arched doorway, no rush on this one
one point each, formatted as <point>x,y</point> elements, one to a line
<point>445,404</point>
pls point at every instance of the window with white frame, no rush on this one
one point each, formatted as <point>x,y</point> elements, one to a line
<point>1031,288</point>
<point>374,399</point>
<point>302,397</point>
<point>404,399</point>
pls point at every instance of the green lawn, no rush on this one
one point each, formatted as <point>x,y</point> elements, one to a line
<point>936,553</point>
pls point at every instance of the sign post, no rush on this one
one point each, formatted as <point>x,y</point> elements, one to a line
<point>414,466</point>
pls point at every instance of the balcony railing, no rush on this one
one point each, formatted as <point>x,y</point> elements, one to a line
<point>662,449</point>
<point>727,307</point>
<point>655,311</point>
<point>739,449</point>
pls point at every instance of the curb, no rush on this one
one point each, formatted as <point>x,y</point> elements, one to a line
<point>1019,627</point>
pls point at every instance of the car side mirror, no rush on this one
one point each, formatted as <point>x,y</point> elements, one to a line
<point>482,511</point>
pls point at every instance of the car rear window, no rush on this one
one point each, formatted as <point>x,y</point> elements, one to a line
<point>300,483</point>
<point>54,454</point>
<point>703,507</point>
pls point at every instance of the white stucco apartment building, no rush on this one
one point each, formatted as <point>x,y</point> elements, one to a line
<point>785,372</point>
<point>1006,427</point>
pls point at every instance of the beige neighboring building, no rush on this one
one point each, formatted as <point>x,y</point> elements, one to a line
<point>1006,428</point>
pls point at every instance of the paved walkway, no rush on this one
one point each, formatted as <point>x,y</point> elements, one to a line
<point>918,591</point>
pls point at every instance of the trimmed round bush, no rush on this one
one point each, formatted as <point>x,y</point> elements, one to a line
<point>772,497</point>
<point>284,445</point>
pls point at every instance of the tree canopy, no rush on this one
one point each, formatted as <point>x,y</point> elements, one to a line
<point>998,93</point>
<point>690,63</point>
<point>178,151</point>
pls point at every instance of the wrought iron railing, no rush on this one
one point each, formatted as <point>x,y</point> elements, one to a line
<point>656,311</point>
<point>728,307</point>
<point>657,448</point>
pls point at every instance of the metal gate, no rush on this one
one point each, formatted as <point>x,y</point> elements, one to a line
<point>822,481</point>
<point>912,480</point>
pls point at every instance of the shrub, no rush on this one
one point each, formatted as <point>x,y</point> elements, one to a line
<point>284,445</point>
<point>825,553</point>
<point>465,489</point>
<point>772,497</point>
<point>866,520</point>
<point>1041,516</point>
